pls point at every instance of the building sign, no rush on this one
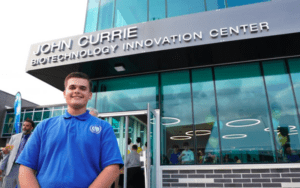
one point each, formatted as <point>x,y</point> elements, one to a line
<point>97,43</point>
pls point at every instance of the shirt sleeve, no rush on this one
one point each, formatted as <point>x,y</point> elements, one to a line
<point>30,154</point>
<point>109,151</point>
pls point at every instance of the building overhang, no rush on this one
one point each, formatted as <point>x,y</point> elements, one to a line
<point>248,33</point>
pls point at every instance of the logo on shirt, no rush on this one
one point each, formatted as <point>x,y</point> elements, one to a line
<point>95,129</point>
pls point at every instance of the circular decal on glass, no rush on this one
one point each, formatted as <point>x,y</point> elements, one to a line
<point>95,129</point>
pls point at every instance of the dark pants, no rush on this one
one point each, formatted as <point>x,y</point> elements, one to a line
<point>134,177</point>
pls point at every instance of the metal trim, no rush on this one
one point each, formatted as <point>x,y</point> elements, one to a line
<point>87,8</point>
<point>217,113</point>
<point>99,5</point>
<point>126,113</point>
<point>125,152</point>
<point>240,166</point>
<point>269,110</point>
<point>193,117</point>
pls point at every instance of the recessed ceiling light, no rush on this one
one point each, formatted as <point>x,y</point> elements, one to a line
<point>120,68</point>
<point>228,124</point>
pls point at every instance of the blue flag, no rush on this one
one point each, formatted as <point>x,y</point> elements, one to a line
<point>17,108</point>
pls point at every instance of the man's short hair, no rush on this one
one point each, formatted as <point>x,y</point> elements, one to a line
<point>134,147</point>
<point>175,146</point>
<point>78,75</point>
<point>30,121</point>
<point>93,110</point>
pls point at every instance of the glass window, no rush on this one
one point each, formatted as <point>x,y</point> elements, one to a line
<point>106,14</point>
<point>283,110</point>
<point>179,7</point>
<point>91,16</point>
<point>205,117</point>
<point>294,65</point>
<point>157,9</point>
<point>92,103</point>
<point>130,12</point>
<point>57,113</point>
<point>233,3</point>
<point>58,107</point>
<point>47,114</point>
<point>127,94</point>
<point>243,115</point>
<point>7,128</point>
<point>28,115</point>
<point>214,4</point>
<point>37,116</point>
<point>176,118</point>
<point>22,116</point>
<point>10,117</point>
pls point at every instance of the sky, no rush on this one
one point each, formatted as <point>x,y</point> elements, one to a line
<point>28,22</point>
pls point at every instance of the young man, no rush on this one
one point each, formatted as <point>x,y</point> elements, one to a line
<point>186,156</point>
<point>72,150</point>
<point>8,164</point>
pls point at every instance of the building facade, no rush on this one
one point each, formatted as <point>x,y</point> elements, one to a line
<point>223,78</point>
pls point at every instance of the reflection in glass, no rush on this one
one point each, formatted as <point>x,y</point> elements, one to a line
<point>157,9</point>
<point>92,102</point>
<point>283,109</point>
<point>91,16</point>
<point>28,115</point>
<point>176,104</point>
<point>106,14</point>
<point>130,12</point>
<point>214,4</point>
<point>234,3</point>
<point>37,116</point>
<point>127,94</point>
<point>243,115</point>
<point>179,7</point>
<point>47,114</point>
<point>205,117</point>
<point>57,113</point>
<point>295,74</point>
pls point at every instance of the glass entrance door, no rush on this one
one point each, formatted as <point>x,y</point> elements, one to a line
<point>132,128</point>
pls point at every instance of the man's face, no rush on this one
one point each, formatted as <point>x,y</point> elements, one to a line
<point>27,127</point>
<point>77,93</point>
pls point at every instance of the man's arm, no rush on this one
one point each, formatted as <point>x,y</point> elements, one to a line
<point>106,178</point>
<point>27,177</point>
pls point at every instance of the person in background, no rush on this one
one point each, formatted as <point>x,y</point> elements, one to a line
<point>8,163</point>
<point>227,159</point>
<point>237,160</point>
<point>133,164</point>
<point>138,141</point>
<point>93,112</point>
<point>186,156</point>
<point>74,149</point>
<point>175,155</point>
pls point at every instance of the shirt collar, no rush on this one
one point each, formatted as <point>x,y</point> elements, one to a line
<point>81,117</point>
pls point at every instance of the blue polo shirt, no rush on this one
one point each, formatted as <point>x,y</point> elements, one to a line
<point>70,151</point>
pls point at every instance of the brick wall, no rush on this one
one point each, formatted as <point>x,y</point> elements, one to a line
<point>268,177</point>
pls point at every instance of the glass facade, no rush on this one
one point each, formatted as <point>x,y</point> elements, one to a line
<point>105,14</point>
<point>36,114</point>
<point>241,113</point>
